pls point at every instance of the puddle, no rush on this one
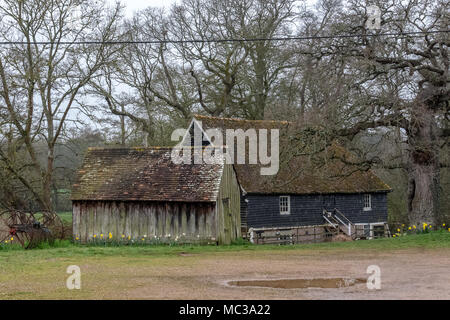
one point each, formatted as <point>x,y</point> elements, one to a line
<point>298,283</point>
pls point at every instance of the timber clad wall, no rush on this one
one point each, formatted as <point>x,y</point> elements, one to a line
<point>228,206</point>
<point>141,192</point>
<point>243,212</point>
<point>145,218</point>
<point>264,211</point>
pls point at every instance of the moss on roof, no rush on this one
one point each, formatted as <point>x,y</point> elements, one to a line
<point>144,174</point>
<point>306,167</point>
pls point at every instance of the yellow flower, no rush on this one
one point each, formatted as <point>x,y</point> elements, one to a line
<point>398,230</point>
<point>448,229</point>
<point>110,235</point>
<point>429,226</point>
<point>123,236</point>
<point>393,236</point>
<point>143,239</point>
<point>403,224</point>
<point>12,238</point>
<point>77,238</point>
<point>95,236</point>
<point>414,227</point>
<point>443,224</point>
<point>129,237</point>
<point>101,235</point>
<point>409,228</point>
<point>6,241</point>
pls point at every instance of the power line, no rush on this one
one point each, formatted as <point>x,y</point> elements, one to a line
<point>169,41</point>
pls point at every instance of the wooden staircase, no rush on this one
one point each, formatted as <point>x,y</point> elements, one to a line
<point>338,220</point>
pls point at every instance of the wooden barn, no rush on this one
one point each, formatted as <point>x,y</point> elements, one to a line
<point>139,193</point>
<point>323,190</point>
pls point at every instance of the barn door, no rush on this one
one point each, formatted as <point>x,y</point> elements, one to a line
<point>227,220</point>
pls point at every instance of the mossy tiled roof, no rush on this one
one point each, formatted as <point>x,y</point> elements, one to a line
<point>300,172</point>
<point>144,174</point>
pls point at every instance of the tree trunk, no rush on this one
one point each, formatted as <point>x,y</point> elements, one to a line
<point>47,202</point>
<point>423,172</point>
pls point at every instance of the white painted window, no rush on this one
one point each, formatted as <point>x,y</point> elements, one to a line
<point>367,202</point>
<point>285,205</point>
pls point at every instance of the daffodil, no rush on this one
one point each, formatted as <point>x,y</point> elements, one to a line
<point>409,228</point>
<point>12,238</point>
<point>123,236</point>
<point>443,224</point>
<point>393,236</point>
<point>129,237</point>
<point>398,230</point>
<point>414,227</point>
<point>101,235</point>
<point>110,235</point>
<point>95,236</point>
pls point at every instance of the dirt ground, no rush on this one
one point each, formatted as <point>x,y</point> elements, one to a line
<point>405,274</point>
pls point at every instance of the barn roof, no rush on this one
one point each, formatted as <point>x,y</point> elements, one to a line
<point>331,170</point>
<point>144,174</point>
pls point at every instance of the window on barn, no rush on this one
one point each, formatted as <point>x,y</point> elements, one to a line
<point>285,205</point>
<point>367,202</point>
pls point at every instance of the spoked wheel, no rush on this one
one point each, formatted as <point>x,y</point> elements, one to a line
<point>8,221</point>
<point>54,223</point>
<point>25,228</point>
<point>4,232</point>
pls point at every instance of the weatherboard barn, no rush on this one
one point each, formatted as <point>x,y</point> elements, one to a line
<point>140,193</point>
<point>328,194</point>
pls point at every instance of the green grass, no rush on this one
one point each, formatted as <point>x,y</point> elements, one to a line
<point>66,216</point>
<point>435,239</point>
<point>111,271</point>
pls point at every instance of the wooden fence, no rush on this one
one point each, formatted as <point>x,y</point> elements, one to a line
<point>314,234</point>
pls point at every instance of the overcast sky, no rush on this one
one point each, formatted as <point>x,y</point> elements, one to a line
<point>133,5</point>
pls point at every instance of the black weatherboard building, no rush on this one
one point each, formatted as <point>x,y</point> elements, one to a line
<point>325,189</point>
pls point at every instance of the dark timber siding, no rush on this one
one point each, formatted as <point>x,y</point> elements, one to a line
<point>243,211</point>
<point>263,210</point>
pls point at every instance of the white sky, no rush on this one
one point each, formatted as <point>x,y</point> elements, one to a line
<point>133,5</point>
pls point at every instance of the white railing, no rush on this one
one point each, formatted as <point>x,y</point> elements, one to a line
<point>340,218</point>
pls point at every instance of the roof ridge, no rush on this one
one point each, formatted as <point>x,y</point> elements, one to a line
<point>195,115</point>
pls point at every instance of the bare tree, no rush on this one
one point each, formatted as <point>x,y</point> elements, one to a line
<point>396,83</point>
<point>42,72</point>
